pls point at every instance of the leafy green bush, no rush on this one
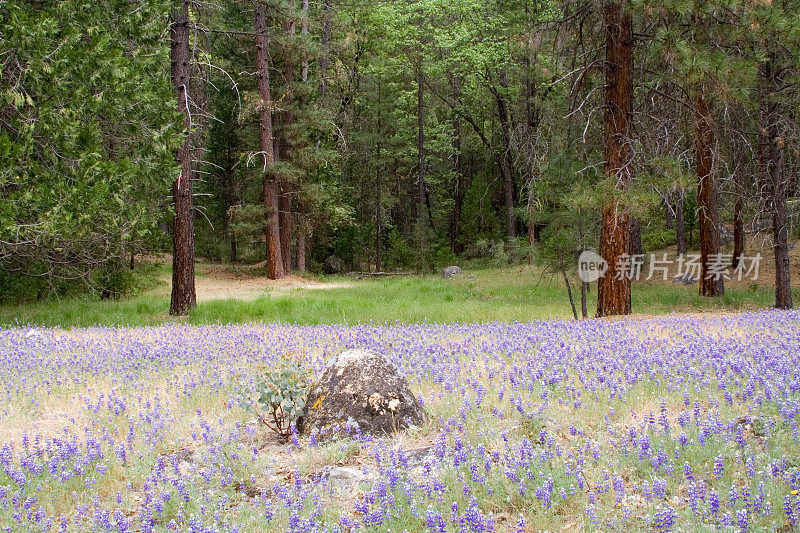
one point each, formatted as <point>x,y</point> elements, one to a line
<point>499,255</point>
<point>16,288</point>
<point>657,238</point>
<point>399,252</point>
<point>279,400</point>
<point>115,280</point>
<point>443,256</point>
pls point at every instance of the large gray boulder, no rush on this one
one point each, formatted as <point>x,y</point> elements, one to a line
<point>451,271</point>
<point>360,392</point>
<point>333,265</point>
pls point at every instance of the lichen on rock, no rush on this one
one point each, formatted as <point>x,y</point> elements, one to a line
<point>360,392</point>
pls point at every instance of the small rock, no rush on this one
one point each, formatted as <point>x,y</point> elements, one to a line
<point>416,457</point>
<point>686,279</point>
<point>451,271</point>
<point>333,265</point>
<point>343,478</point>
<point>185,468</point>
<point>360,392</point>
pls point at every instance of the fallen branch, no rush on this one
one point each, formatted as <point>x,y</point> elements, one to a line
<point>361,275</point>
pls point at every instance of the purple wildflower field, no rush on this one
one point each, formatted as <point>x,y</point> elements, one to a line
<point>674,423</point>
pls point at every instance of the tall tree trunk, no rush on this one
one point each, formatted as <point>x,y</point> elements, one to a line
<point>233,198</point>
<point>707,200</point>
<point>530,211</point>
<point>566,282</point>
<point>304,33</point>
<point>458,189</point>
<point>613,291</point>
<point>774,176</point>
<point>505,161</point>
<point>421,165</point>
<point>738,232</point>
<point>325,39</point>
<point>273,237</point>
<point>584,285</point>
<point>302,236</point>
<point>458,172</point>
<point>183,296</point>
<point>302,221</point>
<point>285,154</point>
<point>234,254</point>
<point>635,238</point>
<point>285,223</point>
<point>680,227</point>
<point>531,128</point>
<point>669,216</point>
<point>378,177</point>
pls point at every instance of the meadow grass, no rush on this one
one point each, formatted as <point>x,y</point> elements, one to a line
<point>520,293</point>
<point>548,401</point>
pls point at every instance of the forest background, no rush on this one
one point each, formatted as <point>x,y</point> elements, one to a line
<point>391,135</point>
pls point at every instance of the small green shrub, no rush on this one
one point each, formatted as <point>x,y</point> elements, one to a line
<point>482,247</point>
<point>113,280</point>
<point>17,288</point>
<point>279,400</point>
<point>399,252</point>
<point>500,257</point>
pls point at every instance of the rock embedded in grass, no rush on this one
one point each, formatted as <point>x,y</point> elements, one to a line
<point>451,271</point>
<point>360,392</point>
<point>333,265</point>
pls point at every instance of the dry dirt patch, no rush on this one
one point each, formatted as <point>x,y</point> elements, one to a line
<point>221,282</point>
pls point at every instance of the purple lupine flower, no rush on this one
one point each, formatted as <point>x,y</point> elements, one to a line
<point>660,488</point>
<point>719,466</point>
<point>687,471</point>
<point>665,518</point>
<point>713,503</point>
<point>741,520</point>
<point>788,508</point>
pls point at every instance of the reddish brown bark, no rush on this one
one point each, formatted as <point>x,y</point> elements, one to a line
<point>738,233</point>
<point>302,235</point>
<point>273,239</point>
<point>183,296</point>
<point>285,223</point>
<point>774,176</point>
<point>614,291</point>
<point>284,187</point>
<point>680,227</point>
<point>635,239</point>
<point>707,199</point>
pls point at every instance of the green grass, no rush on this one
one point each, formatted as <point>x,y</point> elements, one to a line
<point>507,294</point>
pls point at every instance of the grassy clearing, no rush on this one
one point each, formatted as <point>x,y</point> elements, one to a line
<point>485,295</point>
